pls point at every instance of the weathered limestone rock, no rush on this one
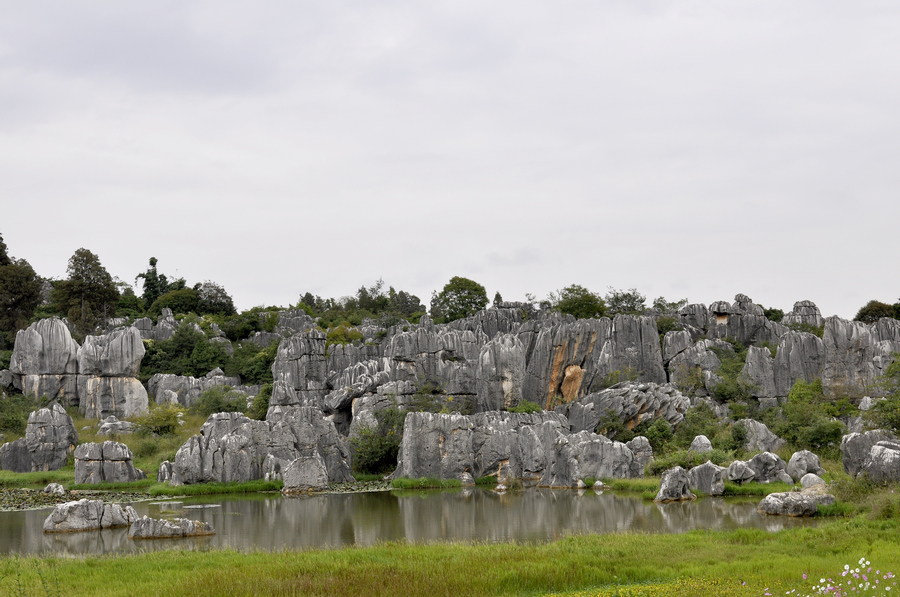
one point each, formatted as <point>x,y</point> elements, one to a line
<point>49,437</point>
<point>804,313</point>
<point>742,321</point>
<point>694,315</point>
<point>698,364</point>
<point>186,390</point>
<point>116,354</point>
<point>299,371</point>
<point>633,345</point>
<point>707,478</point>
<point>855,448</point>
<point>101,397</point>
<point>800,355</point>
<point>759,438</point>
<point>442,357</point>
<point>6,379</point>
<point>803,462</point>
<point>45,361</point>
<point>109,462</point>
<point>769,467</point>
<point>306,473</point>
<point>88,515</point>
<point>849,356</point>
<point>759,369</point>
<point>603,459</point>
<point>810,479</point>
<point>643,451</point>
<point>631,403</point>
<point>156,528</point>
<point>796,503</point>
<point>164,475</point>
<point>113,426</point>
<point>674,343</point>
<point>701,444</point>
<point>436,445</point>
<point>54,489</point>
<point>163,330</point>
<point>231,447</point>
<point>500,373</point>
<point>740,472</point>
<point>882,465</point>
<point>673,486</point>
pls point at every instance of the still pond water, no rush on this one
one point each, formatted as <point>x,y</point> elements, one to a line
<point>272,522</point>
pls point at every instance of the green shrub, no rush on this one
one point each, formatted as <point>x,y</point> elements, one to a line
<point>734,385</point>
<point>375,449</point>
<point>343,334</point>
<point>658,432</point>
<point>526,406</point>
<point>818,330</point>
<point>14,411</point>
<point>698,420</point>
<point>804,422</point>
<point>220,399</point>
<point>260,405</point>
<point>425,483</point>
<point>160,420</point>
<point>688,459</point>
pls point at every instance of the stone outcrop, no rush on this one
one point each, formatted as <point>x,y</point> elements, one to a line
<point>299,371</point>
<point>500,373</point>
<point>760,370</point>
<point>163,330</point>
<point>701,444</point>
<point>740,472</point>
<point>643,451</point>
<point>49,438</point>
<point>803,462</point>
<point>109,462</point>
<point>184,390</point>
<point>231,447</point>
<point>759,438</point>
<point>742,321</point>
<point>534,448</point>
<point>88,515</point>
<point>631,403</point>
<point>810,479</point>
<point>113,426</point>
<point>697,365</point>
<point>306,473</point>
<point>796,503</point>
<point>804,313</point>
<point>855,448</point>
<point>800,355</point>
<point>882,465</point>
<point>674,486</point>
<point>769,467</point>
<point>708,478</point>
<point>849,356</point>
<point>156,528</point>
<point>45,361</point>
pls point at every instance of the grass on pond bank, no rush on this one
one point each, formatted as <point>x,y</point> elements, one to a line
<point>694,563</point>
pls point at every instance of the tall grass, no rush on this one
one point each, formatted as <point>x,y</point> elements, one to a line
<point>694,563</point>
<point>215,488</point>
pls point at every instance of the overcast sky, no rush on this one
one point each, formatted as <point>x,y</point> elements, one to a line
<point>688,149</point>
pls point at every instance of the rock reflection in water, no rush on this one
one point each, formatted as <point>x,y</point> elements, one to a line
<point>273,522</point>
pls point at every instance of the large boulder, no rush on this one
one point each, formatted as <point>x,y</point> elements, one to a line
<point>435,445</point>
<point>630,403</point>
<point>740,472</point>
<point>804,313</point>
<point>88,515</point>
<point>701,444</point>
<point>855,448</point>
<point>674,486</point>
<point>101,397</point>
<point>707,478</point>
<point>232,447</point>
<point>882,465</point>
<point>109,462</point>
<point>500,373</point>
<point>643,451</point>
<point>44,362</point>
<point>796,503</point>
<point>306,473</point>
<point>803,462</point>
<point>49,438</point>
<point>769,467</point>
<point>800,355</point>
<point>156,528</point>
<point>116,354</point>
<point>601,458</point>
<point>758,437</point>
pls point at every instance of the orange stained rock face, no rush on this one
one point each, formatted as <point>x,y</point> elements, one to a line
<point>572,382</point>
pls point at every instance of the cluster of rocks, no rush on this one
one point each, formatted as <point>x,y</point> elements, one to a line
<point>537,449</point>
<point>93,515</point>
<point>232,447</point>
<point>708,478</point>
<point>109,462</point>
<point>100,377</point>
<point>874,455</point>
<point>185,390</point>
<point>50,437</point>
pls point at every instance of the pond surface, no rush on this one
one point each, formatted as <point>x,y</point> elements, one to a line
<point>273,522</point>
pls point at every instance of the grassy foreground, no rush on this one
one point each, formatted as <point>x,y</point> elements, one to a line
<point>695,563</point>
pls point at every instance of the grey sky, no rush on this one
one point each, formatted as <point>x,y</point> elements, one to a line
<point>689,149</point>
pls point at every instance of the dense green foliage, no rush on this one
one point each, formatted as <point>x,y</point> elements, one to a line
<point>88,296</point>
<point>20,294</point>
<point>885,414</point>
<point>14,411</point>
<point>219,399</point>
<point>805,422</point>
<point>161,419</point>
<point>773,314</point>
<point>525,406</point>
<point>625,302</point>
<point>873,311</point>
<point>252,363</point>
<point>734,385</point>
<point>579,302</point>
<point>387,307</point>
<point>375,449</point>
<point>187,352</point>
<point>155,284</point>
<point>260,404</point>
<point>460,297</point>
